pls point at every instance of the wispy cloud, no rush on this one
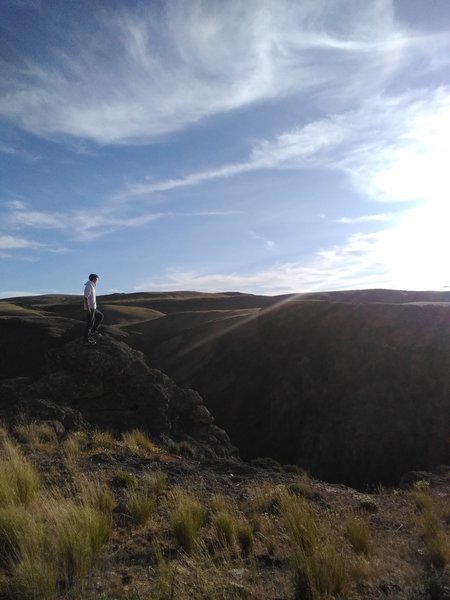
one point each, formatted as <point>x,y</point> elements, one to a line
<point>363,219</point>
<point>10,242</point>
<point>145,75</point>
<point>393,148</point>
<point>92,223</point>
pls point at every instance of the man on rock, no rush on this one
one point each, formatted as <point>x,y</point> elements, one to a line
<point>94,316</point>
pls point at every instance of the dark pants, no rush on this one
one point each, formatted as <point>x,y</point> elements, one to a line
<point>93,322</point>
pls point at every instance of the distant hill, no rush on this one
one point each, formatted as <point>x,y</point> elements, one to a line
<point>353,385</point>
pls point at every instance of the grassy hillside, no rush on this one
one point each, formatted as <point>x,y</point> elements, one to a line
<point>90,516</point>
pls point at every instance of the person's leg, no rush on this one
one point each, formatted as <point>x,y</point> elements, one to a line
<point>98,318</point>
<point>90,318</point>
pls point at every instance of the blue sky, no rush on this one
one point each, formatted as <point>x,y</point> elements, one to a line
<point>263,146</point>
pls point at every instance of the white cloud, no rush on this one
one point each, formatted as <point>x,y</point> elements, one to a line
<point>392,148</point>
<point>411,254</point>
<point>9,242</point>
<point>145,74</point>
<point>363,219</point>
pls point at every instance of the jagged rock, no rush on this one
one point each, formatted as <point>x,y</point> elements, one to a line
<point>111,386</point>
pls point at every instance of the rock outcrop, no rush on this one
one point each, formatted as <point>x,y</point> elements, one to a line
<point>111,386</point>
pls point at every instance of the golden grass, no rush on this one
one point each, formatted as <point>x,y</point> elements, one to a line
<point>36,434</point>
<point>138,442</point>
<point>50,539</point>
<point>103,439</point>
<point>358,532</point>
<point>187,519</point>
<point>436,541</point>
<point>140,504</point>
<point>19,480</point>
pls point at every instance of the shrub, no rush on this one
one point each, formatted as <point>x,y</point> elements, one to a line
<point>187,519</point>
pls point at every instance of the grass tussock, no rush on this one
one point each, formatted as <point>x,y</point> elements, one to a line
<point>35,434</point>
<point>319,569</point>
<point>187,519</point>
<point>140,504</point>
<point>437,544</point>
<point>103,439</point>
<point>266,540</point>
<point>320,573</point>
<point>19,480</point>
<point>358,532</point>
<point>125,479</point>
<point>138,442</point>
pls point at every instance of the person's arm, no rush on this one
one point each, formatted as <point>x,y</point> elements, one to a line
<point>87,293</point>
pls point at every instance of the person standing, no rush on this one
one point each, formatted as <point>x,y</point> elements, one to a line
<point>94,316</point>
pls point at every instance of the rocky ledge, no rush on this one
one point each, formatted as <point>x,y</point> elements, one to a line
<point>111,386</point>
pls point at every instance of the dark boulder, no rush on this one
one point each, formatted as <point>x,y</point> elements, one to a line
<point>112,387</point>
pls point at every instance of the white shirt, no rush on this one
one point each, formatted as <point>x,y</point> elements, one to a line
<point>89,294</point>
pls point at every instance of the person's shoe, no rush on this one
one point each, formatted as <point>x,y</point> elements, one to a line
<point>90,342</point>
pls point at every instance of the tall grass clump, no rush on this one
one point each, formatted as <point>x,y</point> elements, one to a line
<point>36,434</point>
<point>19,480</point>
<point>57,542</point>
<point>224,525</point>
<point>140,504</point>
<point>319,573</point>
<point>357,531</point>
<point>319,569</point>
<point>137,441</point>
<point>244,537</point>
<point>187,519</point>
<point>79,534</point>
<point>96,495</point>
<point>15,524</point>
<point>300,521</point>
<point>157,482</point>
<point>34,577</point>
<point>103,439</point>
<point>436,542</point>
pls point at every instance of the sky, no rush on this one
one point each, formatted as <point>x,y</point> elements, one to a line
<point>260,146</point>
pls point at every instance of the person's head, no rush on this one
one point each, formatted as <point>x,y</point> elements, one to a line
<point>93,277</point>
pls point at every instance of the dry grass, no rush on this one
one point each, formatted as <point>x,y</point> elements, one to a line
<point>188,517</point>
<point>36,434</point>
<point>138,442</point>
<point>19,480</point>
<point>103,439</point>
<point>358,532</point>
<point>436,541</point>
<point>211,539</point>
<point>140,504</point>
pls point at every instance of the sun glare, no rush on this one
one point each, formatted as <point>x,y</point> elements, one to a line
<point>417,170</point>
